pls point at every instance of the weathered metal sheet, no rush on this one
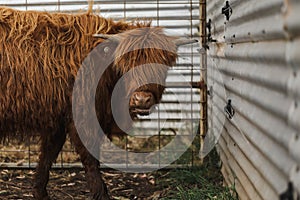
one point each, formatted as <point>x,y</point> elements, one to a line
<point>292,26</point>
<point>256,61</point>
<point>238,171</point>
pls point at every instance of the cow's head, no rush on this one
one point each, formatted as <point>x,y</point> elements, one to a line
<point>142,58</point>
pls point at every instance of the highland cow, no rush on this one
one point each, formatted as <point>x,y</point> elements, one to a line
<point>40,55</point>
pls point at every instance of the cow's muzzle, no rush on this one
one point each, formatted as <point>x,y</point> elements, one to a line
<point>141,103</point>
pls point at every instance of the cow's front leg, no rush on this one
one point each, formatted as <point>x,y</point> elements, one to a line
<point>91,166</point>
<point>94,180</point>
<point>50,147</point>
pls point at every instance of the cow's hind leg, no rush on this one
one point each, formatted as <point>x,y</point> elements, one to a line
<point>91,166</point>
<point>51,145</point>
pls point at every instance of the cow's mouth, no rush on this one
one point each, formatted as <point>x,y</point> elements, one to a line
<point>142,111</point>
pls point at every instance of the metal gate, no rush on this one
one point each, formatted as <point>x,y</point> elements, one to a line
<point>254,77</point>
<point>180,18</point>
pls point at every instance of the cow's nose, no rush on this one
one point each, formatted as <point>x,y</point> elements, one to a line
<point>142,99</point>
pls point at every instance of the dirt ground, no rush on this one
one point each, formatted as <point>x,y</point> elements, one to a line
<point>70,184</point>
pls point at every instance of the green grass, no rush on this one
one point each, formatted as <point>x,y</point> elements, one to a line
<point>191,184</point>
<point>197,183</point>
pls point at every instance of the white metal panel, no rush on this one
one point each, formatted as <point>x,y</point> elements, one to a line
<point>292,26</point>
<point>257,55</point>
<point>238,172</point>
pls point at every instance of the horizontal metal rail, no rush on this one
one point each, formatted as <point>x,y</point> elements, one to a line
<point>56,166</point>
<point>72,3</point>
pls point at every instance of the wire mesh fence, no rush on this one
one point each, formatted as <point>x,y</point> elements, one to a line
<point>178,112</point>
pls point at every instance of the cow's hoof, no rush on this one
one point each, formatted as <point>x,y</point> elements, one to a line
<point>41,195</point>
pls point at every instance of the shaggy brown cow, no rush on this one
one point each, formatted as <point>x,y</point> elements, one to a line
<point>40,55</point>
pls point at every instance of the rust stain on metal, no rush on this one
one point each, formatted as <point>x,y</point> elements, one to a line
<point>203,78</point>
<point>220,49</point>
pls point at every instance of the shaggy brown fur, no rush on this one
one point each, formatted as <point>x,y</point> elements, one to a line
<point>40,54</point>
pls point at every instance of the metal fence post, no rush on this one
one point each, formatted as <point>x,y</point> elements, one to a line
<point>203,76</point>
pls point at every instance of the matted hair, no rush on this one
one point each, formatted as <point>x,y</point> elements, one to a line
<point>39,53</point>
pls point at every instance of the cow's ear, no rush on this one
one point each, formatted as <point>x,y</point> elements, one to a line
<point>184,41</point>
<point>113,38</point>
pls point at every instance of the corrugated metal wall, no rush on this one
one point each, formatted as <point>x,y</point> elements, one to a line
<point>180,18</point>
<point>256,63</point>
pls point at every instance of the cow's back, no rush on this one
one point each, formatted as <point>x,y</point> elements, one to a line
<point>40,54</point>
